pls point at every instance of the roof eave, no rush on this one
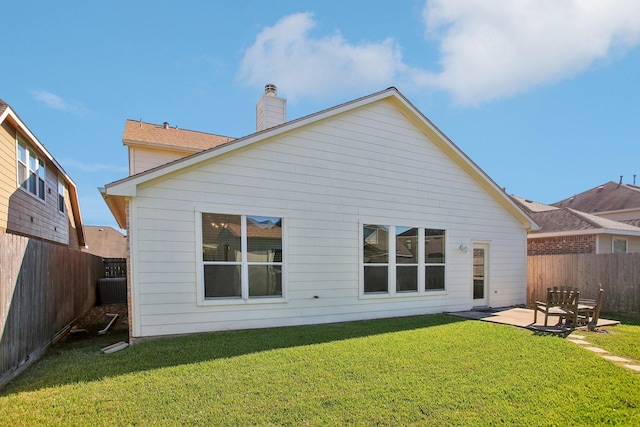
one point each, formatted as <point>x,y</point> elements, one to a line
<point>470,166</point>
<point>77,216</point>
<point>583,232</point>
<point>117,206</point>
<point>137,143</point>
<point>124,186</point>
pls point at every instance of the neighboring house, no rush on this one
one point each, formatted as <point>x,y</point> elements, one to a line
<point>37,197</point>
<point>105,242</point>
<point>361,211</point>
<point>616,201</point>
<point>569,231</point>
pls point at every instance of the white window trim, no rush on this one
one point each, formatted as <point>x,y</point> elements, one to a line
<point>391,265</point>
<point>29,151</point>
<point>64,200</point>
<point>244,299</point>
<point>613,244</point>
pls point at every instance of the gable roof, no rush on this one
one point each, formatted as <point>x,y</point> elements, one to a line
<point>161,136</point>
<point>7,113</point>
<point>607,197</point>
<point>562,221</point>
<point>114,192</point>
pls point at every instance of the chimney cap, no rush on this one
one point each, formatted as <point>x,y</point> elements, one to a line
<point>165,125</point>
<point>270,89</point>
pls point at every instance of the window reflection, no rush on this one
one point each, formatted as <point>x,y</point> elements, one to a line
<point>406,259</point>
<point>223,239</point>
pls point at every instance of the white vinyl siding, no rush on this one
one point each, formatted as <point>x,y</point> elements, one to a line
<point>143,158</point>
<point>366,166</point>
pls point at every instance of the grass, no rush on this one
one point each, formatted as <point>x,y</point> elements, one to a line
<point>428,370</point>
<point>622,340</point>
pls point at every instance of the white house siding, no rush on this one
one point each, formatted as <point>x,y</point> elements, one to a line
<point>368,165</point>
<point>142,159</point>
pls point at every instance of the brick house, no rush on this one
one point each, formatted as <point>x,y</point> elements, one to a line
<point>564,230</point>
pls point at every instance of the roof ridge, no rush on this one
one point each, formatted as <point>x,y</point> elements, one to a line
<point>600,222</point>
<point>585,217</point>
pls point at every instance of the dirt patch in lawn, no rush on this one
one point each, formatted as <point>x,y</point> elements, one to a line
<point>97,319</point>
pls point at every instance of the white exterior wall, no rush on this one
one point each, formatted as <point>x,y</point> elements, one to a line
<point>270,111</point>
<point>369,165</point>
<point>142,159</point>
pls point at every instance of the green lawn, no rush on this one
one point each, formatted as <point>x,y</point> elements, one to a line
<point>622,340</point>
<point>430,370</point>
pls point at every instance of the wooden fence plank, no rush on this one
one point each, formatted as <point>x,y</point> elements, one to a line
<point>43,288</point>
<point>619,275</point>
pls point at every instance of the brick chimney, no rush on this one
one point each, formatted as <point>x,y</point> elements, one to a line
<point>270,110</point>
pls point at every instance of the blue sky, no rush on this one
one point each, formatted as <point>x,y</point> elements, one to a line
<point>544,95</point>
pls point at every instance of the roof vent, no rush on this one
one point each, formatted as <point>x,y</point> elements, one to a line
<point>270,89</point>
<point>271,110</point>
<point>165,125</point>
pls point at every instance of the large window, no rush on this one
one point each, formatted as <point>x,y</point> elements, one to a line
<point>418,264</point>
<point>31,172</point>
<point>242,256</point>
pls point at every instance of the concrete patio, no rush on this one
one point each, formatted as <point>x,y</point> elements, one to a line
<point>522,317</point>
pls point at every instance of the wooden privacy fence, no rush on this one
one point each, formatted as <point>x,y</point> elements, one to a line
<point>44,287</point>
<point>619,275</point>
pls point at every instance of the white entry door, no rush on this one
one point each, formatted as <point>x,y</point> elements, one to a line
<point>480,274</point>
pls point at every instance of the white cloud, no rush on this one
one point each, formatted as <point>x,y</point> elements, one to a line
<point>286,53</point>
<point>488,49</point>
<point>499,48</point>
<point>55,102</point>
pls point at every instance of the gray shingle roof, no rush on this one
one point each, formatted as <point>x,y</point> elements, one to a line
<point>553,219</point>
<point>607,197</point>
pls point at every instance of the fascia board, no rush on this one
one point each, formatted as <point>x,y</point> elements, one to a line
<point>5,113</point>
<point>124,186</point>
<point>116,206</point>
<point>584,232</point>
<point>467,164</point>
<point>16,120</point>
<point>145,144</point>
<point>121,187</point>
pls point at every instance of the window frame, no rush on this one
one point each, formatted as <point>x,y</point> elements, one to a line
<point>619,239</point>
<point>38,170</point>
<point>244,264</point>
<point>392,265</point>
<point>61,199</point>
